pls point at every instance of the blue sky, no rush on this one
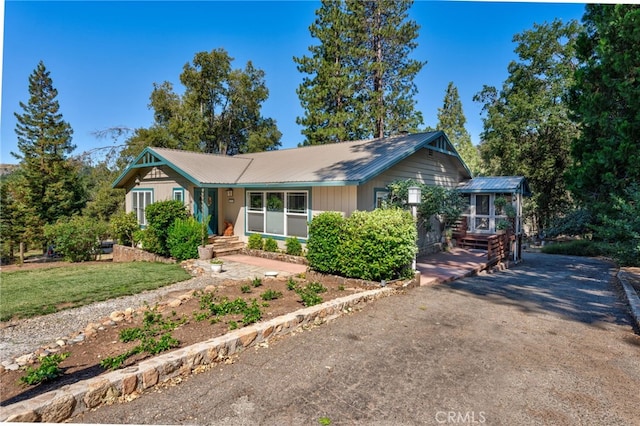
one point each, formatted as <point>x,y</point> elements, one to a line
<point>105,56</point>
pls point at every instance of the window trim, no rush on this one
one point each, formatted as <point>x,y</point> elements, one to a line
<point>180,191</point>
<point>286,211</point>
<point>136,193</point>
<point>379,194</point>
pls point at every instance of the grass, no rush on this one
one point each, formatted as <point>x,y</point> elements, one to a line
<point>42,291</point>
<point>575,248</point>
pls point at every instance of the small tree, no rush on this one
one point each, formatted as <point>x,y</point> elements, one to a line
<point>323,244</point>
<point>123,227</point>
<point>77,238</point>
<point>160,216</point>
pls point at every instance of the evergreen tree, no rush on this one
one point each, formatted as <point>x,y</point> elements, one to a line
<point>451,120</point>
<point>605,99</point>
<point>53,189</point>
<point>361,82</point>
<point>527,129</point>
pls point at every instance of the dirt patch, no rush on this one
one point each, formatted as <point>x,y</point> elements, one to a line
<point>196,326</point>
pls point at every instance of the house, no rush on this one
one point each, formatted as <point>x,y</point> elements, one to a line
<point>493,202</point>
<point>276,193</point>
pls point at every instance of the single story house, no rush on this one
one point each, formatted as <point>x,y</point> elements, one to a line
<point>276,193</point>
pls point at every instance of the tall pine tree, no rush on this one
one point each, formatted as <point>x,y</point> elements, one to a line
<point>361,76</point>
<point>44,140</point>
<point>451,120</point>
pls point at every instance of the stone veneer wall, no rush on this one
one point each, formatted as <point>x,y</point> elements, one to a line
<point>299,260</point>
<point>132,254</point>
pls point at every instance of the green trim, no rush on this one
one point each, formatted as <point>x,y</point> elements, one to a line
<point>178,189</point>
<point>376,191</point>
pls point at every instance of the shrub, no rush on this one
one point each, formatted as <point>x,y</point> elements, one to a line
<point>48,369</point>
<point>323,245</point>
<point>575,248</point>
<point>378,245</point>
<point>270,245</point>
<point>160,216</point>
<point>123,228</point>
<point>77,238</point>
<point>255,242</point>
<point>183,238</point>
<point>294,248</point>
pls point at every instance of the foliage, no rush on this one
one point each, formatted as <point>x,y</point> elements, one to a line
<point>323,244</point>
<point>27,293</point>
<point>77,238</point>
<point>183,238</point>
<point>270,245</point>
<point>221,307</point>
<point>575,248</point>
<point>293,246</point>
<point>255,242</point>
<point>359,79</point>
<point>270,294</point>
<point>451,121</point>
<point>576,222</point>
<point>447,204</point>
<point>160,216</point>
<point>605,99</point>
<point>49,369</point>
<point>245,289</point>
<point>52,187</point>
<point>621,226</point>
<point>378,245</point>
<point>219,110</point>
<point>310,293</point>
<point>527,129</point>
<point>123,227</point>
<point>103,201</point>
<point>153,325</point>
<point>256,282</point>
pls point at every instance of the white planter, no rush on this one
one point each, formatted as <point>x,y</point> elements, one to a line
<point>216,267</point>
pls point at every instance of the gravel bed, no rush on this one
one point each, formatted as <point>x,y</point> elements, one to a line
<point>25,336</point>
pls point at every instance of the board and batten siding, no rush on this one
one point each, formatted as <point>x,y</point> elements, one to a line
<point>426,166</point>
<point>162,181</point>
<point>334,198</point>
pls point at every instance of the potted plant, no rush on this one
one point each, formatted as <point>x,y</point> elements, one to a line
<point>500,202</point>
<point>205,252</point>
<point>216,265</point>
<point>502,226</point>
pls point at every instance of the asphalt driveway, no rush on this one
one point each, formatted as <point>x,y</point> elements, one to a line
<point>546,342</point>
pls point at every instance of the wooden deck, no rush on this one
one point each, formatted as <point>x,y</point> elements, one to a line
<point>496,245</point>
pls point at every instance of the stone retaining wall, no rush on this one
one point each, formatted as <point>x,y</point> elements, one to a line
<point>132,254</point>
<point>298,260</point>
<point>60,404</point>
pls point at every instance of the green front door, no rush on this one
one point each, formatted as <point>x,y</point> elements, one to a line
<point>206,205</point>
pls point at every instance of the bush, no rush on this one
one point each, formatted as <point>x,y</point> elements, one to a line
<point>183,238</point>
<point>323,244</point>
<point>270,245</point>
<point>255,242</point>
<point>378,245</point>
<point>77,238</point>
<point>575,248</point>
<point>160,216</point>
<point>294,248</point>
<point>123,228</point>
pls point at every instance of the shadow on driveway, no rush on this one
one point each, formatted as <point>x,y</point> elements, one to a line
<point>576,288</point>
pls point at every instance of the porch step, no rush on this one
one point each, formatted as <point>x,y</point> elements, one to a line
<point>471,241</point>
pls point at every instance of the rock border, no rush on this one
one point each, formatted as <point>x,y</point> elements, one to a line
<point>70,400</point>
<point>632,298</point>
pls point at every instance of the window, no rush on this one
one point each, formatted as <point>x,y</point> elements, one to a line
<point>380,196</point>
<point>178,194</point>
<point>141,199</point>
<point>282,213</point>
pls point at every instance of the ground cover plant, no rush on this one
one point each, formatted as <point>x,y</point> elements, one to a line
<point>27,293</point>
<point>206,314</point>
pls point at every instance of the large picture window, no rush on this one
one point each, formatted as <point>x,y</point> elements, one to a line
<point>280,213</point>
<point>141,199</point>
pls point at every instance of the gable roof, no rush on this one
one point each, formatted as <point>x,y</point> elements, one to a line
<point>338,164</point>
<point>496,184</point>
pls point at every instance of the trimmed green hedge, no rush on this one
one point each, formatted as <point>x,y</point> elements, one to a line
<point>377,245</point>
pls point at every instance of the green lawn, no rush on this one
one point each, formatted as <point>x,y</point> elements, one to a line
<point>41,291</point>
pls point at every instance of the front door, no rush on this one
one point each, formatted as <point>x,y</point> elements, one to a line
<point>206,205</point>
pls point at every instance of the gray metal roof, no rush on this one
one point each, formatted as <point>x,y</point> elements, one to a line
<point>344,163</point>
<point>506,184</point>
